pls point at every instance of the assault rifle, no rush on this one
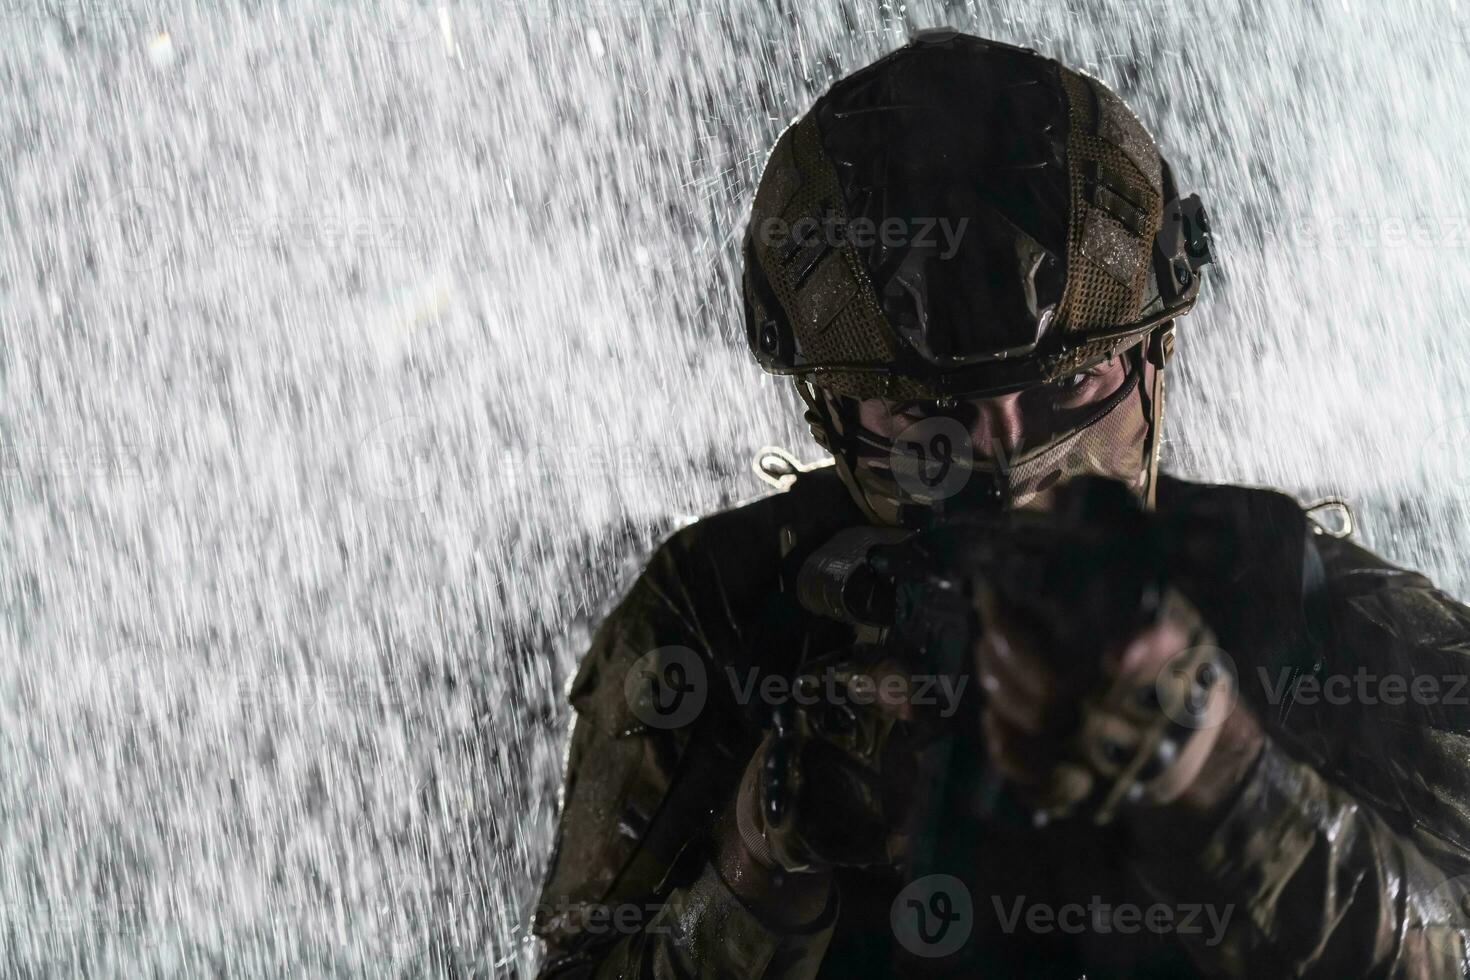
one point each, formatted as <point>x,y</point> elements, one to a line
<point>1085,574</point>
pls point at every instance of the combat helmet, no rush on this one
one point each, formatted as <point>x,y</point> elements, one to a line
<point>1073,246</point>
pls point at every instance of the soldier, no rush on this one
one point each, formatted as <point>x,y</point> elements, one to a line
<point>970,259</point>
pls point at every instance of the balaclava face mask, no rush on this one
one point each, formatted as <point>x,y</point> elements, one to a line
<point>931,468</point>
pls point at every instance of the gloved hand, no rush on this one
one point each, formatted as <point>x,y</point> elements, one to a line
<point>821,790</point>
<point>1147,737</point>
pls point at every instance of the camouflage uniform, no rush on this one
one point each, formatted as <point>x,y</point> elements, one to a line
<point>1341,851</point>
<point>1339,856</point>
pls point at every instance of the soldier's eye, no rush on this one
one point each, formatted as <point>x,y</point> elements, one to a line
<point>1082,388</point>
<point>1074,384</point>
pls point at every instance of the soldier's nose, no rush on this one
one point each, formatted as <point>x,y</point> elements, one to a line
<point>996,426</point>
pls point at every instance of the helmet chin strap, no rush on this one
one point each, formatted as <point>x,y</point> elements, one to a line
<point>1160,349</point>
<point>844,451</point>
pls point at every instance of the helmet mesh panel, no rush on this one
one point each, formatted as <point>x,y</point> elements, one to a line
<point>1094,297</point>
<point>831,303</point>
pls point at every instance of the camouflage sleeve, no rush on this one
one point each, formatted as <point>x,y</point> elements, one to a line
<point>631,890</point>
<point>1352,861</point>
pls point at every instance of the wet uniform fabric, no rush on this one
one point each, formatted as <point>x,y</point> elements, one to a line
<point>1331,861</point>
